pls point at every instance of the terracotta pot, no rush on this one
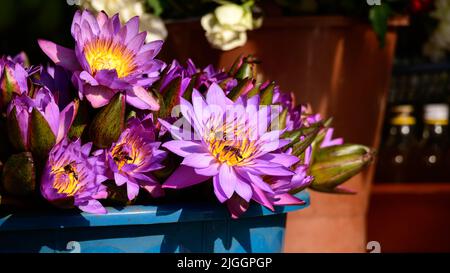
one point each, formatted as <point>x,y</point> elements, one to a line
<point>335,64</point>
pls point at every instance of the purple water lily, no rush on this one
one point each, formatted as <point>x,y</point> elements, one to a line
<point>109,58</point>
<point>203,80</point>
<point>237,155</point>
<point>14,77</point>
<point>73,178</point>
<point>134,156</point>
<point>44,102</point>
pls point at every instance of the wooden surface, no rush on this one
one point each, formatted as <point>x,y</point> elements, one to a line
<point>410,217</point>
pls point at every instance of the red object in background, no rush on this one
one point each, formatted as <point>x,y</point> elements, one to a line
<point>418,6</point>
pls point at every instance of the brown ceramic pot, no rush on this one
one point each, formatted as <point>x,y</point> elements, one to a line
<point>335,64</point>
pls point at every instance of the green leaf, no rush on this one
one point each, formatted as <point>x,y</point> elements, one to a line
<point>310,135</point>
<point>19,177</point>
<point>239,90</point>
<point>267,94</point>
<point>15,137</point>
<point>81,121</point>
<point>379,16</point>
<point>109,123</point>
<point>41,137</point>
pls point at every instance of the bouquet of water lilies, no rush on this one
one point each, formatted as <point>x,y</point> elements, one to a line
<point>107,117</point>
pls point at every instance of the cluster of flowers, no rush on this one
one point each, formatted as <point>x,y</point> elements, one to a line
<point>107,112</point>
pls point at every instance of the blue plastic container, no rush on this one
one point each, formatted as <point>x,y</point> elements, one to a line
<point>193,228</point>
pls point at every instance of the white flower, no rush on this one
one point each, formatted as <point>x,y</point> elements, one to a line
<point>439,41</point>
<point>226,27</point>
<point>128,9</point>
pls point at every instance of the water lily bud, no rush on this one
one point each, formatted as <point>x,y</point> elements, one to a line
<point>109,123</point>
<point>18,177</point>
<point>336,164</point>
<point>13,79</point>
<point>36,124</point>
<point>171,97</point>
<point>41,137</point>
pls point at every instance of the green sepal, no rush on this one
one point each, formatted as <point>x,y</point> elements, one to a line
<point>19,175</point>
<point>109,123</point>
<point>41,137</point>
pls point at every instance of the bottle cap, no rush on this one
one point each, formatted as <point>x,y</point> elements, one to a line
<point>403,115</point>
<point>436,114</point>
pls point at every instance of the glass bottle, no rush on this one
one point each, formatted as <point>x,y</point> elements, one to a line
<point>396,153</point>
<point>434,144</point>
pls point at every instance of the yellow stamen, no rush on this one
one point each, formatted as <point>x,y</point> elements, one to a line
<point>66,180</point>
<point>104,54</point>
<point>232,151</point>
<point>122,157</point>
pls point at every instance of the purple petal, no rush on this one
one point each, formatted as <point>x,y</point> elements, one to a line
<point>198,160</point>
<point>132,190</point>
<point>140,98</point>
<point>282,159</point>
<point>211,170</point>
<point>66,118</point>
<point>216,96</point>
<point>227,180</point>
<point>260,197</point>
<point>60,55</point>
<point>98,96</point>
<point>287,199</point>
<point>269,169</point>
<point>93,206</point>
<point>136,43</point>
<point>184,148</point>
<point>244,190</point>
<point>255,179</point>
<point>220,194</point>
<point>183,177</point>
<point>131,29</point>
<point>120,179</point>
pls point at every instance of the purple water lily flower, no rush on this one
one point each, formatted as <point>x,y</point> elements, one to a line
<point>237,155</point>
<point>44,102</point>
<point>109,58</point>
<point>14,77</point>
<point>134,156</point>
<point>205,77</point>
<point>73,178</point>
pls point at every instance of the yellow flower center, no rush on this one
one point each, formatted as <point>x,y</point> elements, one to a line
<point>104,54</point>
<point>121,156</point>
<point>66,180</point>
<point>231,150</point>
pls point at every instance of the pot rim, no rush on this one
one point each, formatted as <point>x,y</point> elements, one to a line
<point>137,215</point>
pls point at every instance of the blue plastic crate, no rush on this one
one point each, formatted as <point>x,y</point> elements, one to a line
<point>192,228</point>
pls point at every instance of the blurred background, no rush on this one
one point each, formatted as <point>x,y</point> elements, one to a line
<point>381,70</point>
